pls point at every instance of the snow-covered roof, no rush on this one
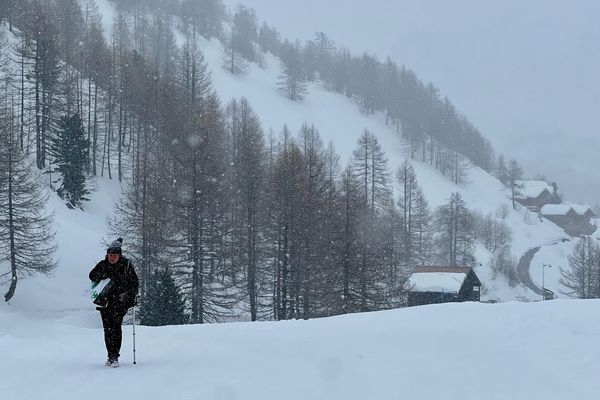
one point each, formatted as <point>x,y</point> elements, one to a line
<point>581,209</point>
<point>532,189</point>
<point>437,281</point>
<point>556,209</point>
<point>563,209</point>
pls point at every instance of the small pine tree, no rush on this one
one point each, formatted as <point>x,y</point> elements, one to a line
<point>455,236</point>
<point>502,170</point>
<point>233,60</point>
<point>26,235</point>
<point>71,153</point>
<point>514,174</point>
<point>292,79</point>
<point>582,278</point>
<point>164,303</point>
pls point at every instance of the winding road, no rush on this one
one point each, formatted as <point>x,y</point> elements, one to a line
<point>525,265</point>
<point>523,270</point>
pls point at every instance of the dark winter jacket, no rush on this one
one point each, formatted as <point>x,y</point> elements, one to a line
<point>124,282</point>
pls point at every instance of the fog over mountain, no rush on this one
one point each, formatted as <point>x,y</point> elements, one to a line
<point>524,72</point>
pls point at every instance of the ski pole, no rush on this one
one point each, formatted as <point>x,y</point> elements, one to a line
<point>134,334</point>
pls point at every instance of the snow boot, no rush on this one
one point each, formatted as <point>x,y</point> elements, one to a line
<point>112,362</point>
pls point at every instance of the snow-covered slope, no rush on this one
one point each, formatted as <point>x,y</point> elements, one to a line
<point>338,120</point>
<point>518,351</point>
<point>524,72</point>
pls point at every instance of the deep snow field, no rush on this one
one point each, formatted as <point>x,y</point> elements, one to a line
<point>545,350</point>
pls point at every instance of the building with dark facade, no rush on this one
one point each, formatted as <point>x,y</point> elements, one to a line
<point>536,194</point>
<point>575,219</point>
<point>442,284</point>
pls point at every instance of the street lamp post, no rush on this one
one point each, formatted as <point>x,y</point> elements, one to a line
<point>543,280</point>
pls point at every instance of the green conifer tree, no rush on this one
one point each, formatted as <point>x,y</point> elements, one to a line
<point>71,152</point>
<point>164,303</point>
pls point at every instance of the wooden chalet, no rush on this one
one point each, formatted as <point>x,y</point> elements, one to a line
<point>442,284</point>
<point>575,219</point>
<point>536,194</point>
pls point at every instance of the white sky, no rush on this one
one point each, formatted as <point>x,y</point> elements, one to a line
<point>524,72</point>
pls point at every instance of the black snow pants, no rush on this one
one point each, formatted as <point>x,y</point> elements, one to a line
<point>111,321</point>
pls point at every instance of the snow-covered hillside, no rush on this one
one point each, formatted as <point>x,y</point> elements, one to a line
<point>338,120</point>
<point>523,72</point>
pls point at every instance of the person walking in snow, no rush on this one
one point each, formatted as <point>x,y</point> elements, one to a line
<point>121,296</point>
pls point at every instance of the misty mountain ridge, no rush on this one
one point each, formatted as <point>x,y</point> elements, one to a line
<point>523,74</point>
